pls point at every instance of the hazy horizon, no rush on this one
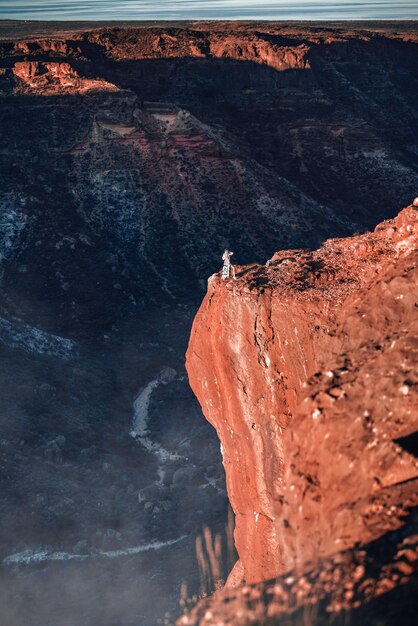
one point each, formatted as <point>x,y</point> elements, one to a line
<point>207,9</point>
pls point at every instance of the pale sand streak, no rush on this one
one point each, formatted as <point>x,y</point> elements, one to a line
<point>31,557</point>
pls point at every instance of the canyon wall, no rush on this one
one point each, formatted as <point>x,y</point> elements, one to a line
<point>142,152</point>
<point>306,367</point>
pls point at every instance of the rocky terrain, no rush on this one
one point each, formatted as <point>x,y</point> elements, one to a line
<point>376,584</point>
<point>307,368</point>
<point>130,157</point>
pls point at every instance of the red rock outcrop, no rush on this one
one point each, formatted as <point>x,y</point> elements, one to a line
<point>51,78</point>
<point>307,368</point>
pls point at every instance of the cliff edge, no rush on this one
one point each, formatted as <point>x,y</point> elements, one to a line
<point>307,369</point>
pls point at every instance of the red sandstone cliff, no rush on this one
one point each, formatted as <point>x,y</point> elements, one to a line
<point>307,368</point>
<point>51,78</point>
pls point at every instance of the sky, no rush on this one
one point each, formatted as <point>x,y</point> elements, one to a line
<point>207,9</point>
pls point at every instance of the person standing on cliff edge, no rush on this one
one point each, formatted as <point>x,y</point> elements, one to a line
<point>227,267</point>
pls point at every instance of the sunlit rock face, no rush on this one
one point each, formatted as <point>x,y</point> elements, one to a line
<point>306,367</point>
<point>51,78</point>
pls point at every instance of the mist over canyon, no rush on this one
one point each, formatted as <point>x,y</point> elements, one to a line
<point>130,157</point>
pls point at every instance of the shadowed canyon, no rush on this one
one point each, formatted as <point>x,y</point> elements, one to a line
<point>130,158</point>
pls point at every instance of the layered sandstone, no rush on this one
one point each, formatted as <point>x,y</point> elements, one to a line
<point>306,367</point>
<point>50,78</point>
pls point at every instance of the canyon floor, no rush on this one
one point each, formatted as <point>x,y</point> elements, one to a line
<point>130,157</point>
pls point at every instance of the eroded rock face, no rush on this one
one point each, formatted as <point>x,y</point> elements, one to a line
<point>306,367</point>
<point>34,77</point>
